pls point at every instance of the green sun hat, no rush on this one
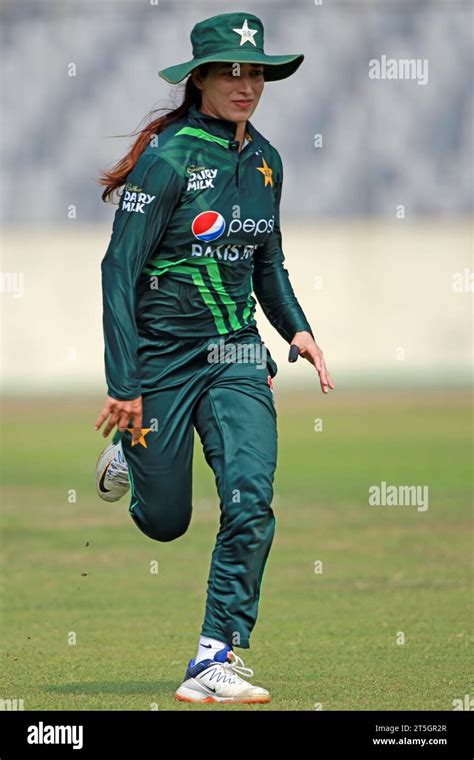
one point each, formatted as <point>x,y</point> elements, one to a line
<point>232,38</point>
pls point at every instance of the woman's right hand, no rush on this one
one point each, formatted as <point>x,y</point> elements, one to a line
<point>120,413</point>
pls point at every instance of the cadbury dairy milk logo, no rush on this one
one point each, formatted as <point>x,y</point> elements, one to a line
<point>201,178</point>
<point>133,200</point>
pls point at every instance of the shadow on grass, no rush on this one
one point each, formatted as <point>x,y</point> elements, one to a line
<point>164,690</point>
<point>114,687</point>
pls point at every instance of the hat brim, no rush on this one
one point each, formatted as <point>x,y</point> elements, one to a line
<point>275,66</point>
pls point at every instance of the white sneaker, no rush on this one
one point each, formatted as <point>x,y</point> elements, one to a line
<point>111,473</point>
<point>215,681</point>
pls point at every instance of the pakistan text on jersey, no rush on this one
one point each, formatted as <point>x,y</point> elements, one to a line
<point>224,252</point>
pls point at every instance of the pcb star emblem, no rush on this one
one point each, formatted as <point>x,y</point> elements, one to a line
<point>267,173</point>
<point>141,440</point>
<point>246,34</point>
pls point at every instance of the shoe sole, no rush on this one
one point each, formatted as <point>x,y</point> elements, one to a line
<point>101,494</point>
<point>235,700</point>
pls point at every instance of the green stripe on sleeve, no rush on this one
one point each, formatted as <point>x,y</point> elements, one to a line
<point>203,135</point>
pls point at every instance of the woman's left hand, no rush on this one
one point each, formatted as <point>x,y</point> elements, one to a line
<point>310,350</point>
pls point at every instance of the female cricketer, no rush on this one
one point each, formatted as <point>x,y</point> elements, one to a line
<point>196,233</point>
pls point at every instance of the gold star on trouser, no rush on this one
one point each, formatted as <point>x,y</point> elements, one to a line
<point>267,172</point>
<point>141,440</point>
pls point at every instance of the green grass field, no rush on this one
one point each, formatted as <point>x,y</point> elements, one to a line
<point>327,639</point>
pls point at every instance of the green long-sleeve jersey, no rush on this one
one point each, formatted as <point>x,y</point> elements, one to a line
<point>196,233</point>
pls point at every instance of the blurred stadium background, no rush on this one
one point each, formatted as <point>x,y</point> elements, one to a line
<point>377,233</point>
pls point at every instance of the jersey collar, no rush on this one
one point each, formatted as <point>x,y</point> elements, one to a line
<point>223,128</point>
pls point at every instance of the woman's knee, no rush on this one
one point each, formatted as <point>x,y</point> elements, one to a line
<point>162,527</point>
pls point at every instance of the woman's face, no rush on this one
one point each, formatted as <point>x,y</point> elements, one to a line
<point>230,91</point>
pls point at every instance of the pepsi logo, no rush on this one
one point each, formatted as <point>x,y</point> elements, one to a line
<point>208,225</point>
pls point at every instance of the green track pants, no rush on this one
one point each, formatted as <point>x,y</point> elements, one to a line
<point>230,404</point>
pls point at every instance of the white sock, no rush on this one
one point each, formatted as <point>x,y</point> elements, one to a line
<point>208,648</point>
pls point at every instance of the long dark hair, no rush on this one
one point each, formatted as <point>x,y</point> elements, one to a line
<point>116,177</point>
